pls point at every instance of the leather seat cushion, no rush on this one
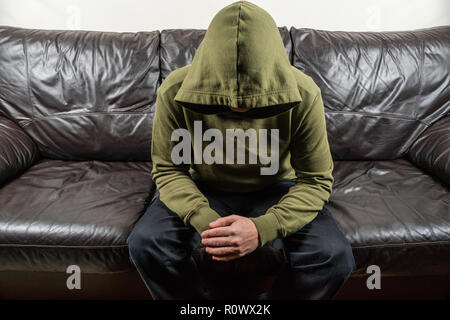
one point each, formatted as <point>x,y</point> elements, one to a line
<point>395,216</point>
<point>60,213</point>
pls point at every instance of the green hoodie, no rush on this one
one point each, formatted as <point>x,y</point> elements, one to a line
<point>242,63</point>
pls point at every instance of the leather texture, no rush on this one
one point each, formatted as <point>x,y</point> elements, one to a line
<point>81,95</point>
<point>431,150</point>
<point>395,215</point>
<point>381,90</point>
<point>60,213</point>
<point>76,110</point>
<point>17,151</point>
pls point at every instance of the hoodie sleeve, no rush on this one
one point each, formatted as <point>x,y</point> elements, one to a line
<point>313,164</point>
<point>176,188</point>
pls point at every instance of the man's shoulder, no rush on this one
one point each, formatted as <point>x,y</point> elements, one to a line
<point>170,85</point>
<point>307,87</point>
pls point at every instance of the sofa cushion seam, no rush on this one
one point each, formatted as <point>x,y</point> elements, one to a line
<point>408,244</point>
<point>61,246</point>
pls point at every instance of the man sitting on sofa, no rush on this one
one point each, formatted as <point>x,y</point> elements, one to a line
<point>241,159</point>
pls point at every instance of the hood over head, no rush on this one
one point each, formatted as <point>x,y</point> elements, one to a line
<point>240,63</point>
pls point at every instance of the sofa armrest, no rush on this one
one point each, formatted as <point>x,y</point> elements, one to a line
<point>431,150</point>
<point>17,151</point>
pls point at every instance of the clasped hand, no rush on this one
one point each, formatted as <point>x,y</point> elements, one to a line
<point>230,237</point>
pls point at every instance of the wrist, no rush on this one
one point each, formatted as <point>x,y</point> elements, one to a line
<point>268,226</point>
<point>201,219</point>
<point>256,232</point>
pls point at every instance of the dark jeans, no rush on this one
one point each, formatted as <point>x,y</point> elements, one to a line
<point>319,258</point>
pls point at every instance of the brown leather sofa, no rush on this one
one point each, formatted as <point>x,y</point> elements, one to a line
<point>76,111</point>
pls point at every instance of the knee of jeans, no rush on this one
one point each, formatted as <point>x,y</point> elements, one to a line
<point>335,253</point>
<point>140,242</point>
<point>153,245</point>
<point>344,261</point>
<point>134,244</point>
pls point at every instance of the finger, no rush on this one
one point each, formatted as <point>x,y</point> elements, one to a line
<point>222,251</point>
<point>219,242</point>
<point>225,221</point>
<point>217,232</point>
<point>226,258</point>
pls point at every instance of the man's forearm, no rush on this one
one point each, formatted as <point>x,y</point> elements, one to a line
<point>181,195</point>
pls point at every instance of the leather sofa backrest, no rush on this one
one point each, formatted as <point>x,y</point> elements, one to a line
<point>81,95</point>
<point>85,95</point>
<point>380,89</point>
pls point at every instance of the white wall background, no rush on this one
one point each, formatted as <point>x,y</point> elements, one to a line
<point>148,15</point>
